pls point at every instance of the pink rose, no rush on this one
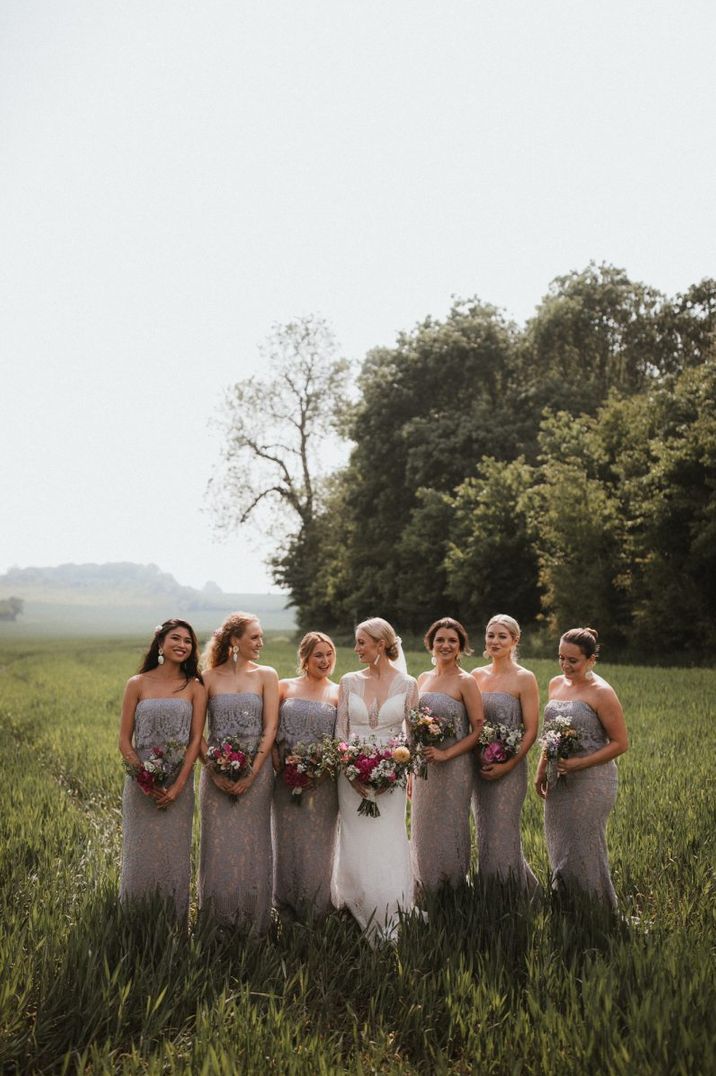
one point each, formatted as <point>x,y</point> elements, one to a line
<point>494,752</point>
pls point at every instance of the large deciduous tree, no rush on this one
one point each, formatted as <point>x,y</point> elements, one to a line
<point>275,427</point>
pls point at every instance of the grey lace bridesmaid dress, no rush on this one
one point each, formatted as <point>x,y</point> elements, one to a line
<point>304,835</point>
<point>577,808</point>
<point>156,846</point>
<point>236,863</point>
<point>440,807</point>
<point>497,806</point>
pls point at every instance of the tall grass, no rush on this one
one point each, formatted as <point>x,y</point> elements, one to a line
<point>487,985</point>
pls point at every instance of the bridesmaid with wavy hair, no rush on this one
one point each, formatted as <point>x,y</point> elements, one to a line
<point>577,807</point>
<point>511,697</point>
<point>440,813</point>
<point>304,836</point>
<point>236,865</point>
<point>164,705</point>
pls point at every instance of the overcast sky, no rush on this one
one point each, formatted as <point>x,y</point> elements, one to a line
<point>176,177</point>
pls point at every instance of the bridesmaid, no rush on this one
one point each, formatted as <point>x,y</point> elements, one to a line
<point>304,837</point>
<point>577,808</point>
<point>164,703</point>
<point>440,812</point>
<point>511,697</point>
<point>236,864</point>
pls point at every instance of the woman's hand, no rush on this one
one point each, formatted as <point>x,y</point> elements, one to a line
<point>541,781</point>
<point>360,788</point>
<point>409,786</point>
<point>167,796</point>
<point>569,765</point>
<point>222,783</point>
<point>434,754</point>
<point>493,771</point>
<point>242,786</point>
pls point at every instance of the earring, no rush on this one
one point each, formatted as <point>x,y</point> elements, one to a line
<point>160,658</point>
<point>376,659</point>
<point>485,654</point>
<point>234,654</point>
<point>458,659</point>
<point>433,660</point>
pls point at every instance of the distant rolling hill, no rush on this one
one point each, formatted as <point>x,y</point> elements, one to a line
<point>124,598</point>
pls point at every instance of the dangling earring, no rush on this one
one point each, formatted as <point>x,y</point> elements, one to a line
<point>458,659</point>
<point>234,654</point>
<point>433,660</point>
<point>160,658</point>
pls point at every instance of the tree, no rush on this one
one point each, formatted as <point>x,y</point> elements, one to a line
<point>274,430</point>
<point>10,608</point>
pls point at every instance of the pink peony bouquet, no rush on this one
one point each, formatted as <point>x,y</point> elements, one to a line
<point>306,764</point>
<point>380,766</point>
<point>498,743</point>
<point>159,769</point>
<point>559,739</point>
<point>229,760</point>
<point>427,730</point>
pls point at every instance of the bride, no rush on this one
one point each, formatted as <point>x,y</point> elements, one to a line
<point>372,875</point>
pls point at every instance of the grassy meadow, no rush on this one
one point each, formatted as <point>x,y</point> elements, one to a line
<point>486,986</point>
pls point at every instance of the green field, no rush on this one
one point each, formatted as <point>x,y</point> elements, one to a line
<point>487,986</point>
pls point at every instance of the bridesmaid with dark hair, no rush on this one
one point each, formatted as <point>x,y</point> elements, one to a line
<point>304,837</point>
<point>511,698</point>
<point>440,811</point>
<point>164,706</point>
<point>577,807</point>
<point>236,864</point>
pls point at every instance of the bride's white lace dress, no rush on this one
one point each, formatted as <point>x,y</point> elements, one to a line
<point>372,875</point>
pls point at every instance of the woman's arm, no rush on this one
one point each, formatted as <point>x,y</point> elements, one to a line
<point>472,699</point>
<point>529,704</point>
<point>610,713</point>
<point>269,681</point>
<point>126,723</point>
<point>198,716</point>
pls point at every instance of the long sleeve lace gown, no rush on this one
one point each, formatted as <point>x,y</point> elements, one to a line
<point>236,863</point>
<point>304,836</point>
<point>372,874</point>
<point>156,849</point>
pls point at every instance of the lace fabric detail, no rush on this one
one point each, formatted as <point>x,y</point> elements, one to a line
<point>355,715</point>
<point>502,708</point>
<point>305,721</point>
<point>446,706</point>
<point>240,715</point>
<point>585,720</point>
<point>157,721</point>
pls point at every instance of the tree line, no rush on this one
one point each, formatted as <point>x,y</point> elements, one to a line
<point>563,471</point>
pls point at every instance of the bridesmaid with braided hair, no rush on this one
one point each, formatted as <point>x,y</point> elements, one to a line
<point>236,864</point>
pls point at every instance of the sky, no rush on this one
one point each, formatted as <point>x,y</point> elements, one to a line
<point>176,178</point>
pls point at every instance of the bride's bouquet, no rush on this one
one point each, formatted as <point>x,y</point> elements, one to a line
<point>559,739</point>
<point>427,730</point>
<point>307,764</point>
<point>381,767</point>
<point>159,769</point>
<point>229,760</point>
<point>498,742</point>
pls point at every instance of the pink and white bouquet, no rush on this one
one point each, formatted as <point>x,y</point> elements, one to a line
<point>381,767</point>
<point>159,769</point>
<point>306,764</point>
<point>229,760</point>
<point>498,742</point>
<point>559,739</point>
<point>427,729</point>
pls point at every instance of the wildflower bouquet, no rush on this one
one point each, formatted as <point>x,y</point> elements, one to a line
<point>498,743</point>
<point>380,766</point>
<point>229,760</point>
<point>427,730</point>
<point>159,769</point>
<point>559,739</point>
<point>307,763</point>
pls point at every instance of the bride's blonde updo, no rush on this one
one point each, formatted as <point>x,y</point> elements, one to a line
<point>381,631</point>
<point>216,651</point>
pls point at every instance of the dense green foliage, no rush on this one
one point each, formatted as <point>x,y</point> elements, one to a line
<point>486,985</point>
<point>564,473</point>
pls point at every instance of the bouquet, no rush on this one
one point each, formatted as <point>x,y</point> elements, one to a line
<point>428,730</point>
<point>229,760</point>
<point>498,742</point>
<point>380,766</point>
<point>307,763</point>
<point>559,739</point>
<point>159,769</point>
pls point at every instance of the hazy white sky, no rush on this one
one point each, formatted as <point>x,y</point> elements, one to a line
<point>175,177</point>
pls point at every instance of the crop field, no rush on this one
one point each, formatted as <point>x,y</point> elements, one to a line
<point>487,985</point>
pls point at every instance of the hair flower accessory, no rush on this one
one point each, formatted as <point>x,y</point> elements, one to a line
<point>158,628</point>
